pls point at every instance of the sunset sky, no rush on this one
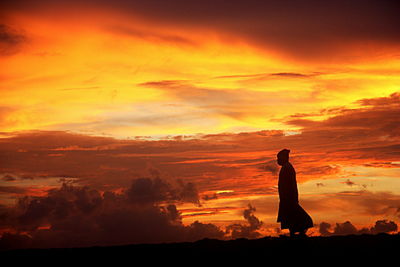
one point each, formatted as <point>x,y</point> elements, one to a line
<point>164,113</point>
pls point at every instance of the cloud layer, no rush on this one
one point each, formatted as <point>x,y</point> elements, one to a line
<point>145,212</point>
<point>347,228</point>
<point>366,136</point>
<point>302,29</point>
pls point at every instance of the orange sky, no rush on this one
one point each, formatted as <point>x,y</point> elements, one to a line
<point>101,93</point>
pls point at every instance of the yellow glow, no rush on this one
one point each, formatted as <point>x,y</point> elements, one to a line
<point>90,81</point>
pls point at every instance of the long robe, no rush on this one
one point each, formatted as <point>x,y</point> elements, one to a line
<point>291,215</point>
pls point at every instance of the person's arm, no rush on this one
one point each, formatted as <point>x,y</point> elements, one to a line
<point>294,186</point>
<point>287,186</point>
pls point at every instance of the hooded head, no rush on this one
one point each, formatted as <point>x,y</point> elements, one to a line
<point>283,156</point>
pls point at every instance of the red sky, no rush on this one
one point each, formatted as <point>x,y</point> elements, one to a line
<point>173,112</point>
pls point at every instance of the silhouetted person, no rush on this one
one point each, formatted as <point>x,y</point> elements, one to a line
<point>291,215</point>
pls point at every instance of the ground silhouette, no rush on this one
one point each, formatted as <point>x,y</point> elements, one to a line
<point>334,248</point>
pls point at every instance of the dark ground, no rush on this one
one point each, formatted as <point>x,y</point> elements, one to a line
<point>355,248</point>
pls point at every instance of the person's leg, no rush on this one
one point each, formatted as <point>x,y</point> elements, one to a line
<point>303,233</point>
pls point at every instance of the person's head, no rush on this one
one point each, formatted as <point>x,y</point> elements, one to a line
<point>283,156</point>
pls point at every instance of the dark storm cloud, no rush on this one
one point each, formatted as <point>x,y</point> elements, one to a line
<point>347,228</point>
<point>246,231</point>
<point>145,191</point>
<point>73,216</point>
<point>384,226</point>
<point>303,29</point>
<point>324,228</point>
<point>10,40</point>
<point>82,216</point>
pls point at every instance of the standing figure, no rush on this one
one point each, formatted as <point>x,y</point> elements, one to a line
<point>291,215</point>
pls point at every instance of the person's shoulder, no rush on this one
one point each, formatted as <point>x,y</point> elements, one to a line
<point>289,166</point>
